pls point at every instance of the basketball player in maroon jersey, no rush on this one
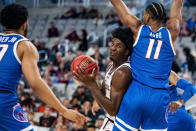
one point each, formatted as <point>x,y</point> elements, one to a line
<point>117,79</point>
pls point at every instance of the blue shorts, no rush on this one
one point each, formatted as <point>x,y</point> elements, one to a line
<point>181,121</point>
<point>144,107</point>
<point>12,117</point>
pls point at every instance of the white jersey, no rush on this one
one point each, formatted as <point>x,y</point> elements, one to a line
<point>109,120</point>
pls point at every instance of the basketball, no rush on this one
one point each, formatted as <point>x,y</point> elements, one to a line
<point>86,63</point>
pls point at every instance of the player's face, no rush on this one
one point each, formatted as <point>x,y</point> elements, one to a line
<point>117,50</point>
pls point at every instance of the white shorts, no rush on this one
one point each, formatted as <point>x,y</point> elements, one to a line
<point>107,125</point>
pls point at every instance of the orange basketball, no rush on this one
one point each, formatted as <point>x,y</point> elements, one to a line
<point>86,63</point>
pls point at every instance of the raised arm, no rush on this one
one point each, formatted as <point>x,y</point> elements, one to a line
<point>175,19</point>
<point>120,83</point>
<point>28,55</point>
<point>126,17</point>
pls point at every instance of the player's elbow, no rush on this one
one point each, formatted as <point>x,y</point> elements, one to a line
<point>34,83</point>
<point>125,20</point>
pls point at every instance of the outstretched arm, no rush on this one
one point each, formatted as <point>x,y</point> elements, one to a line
<point>29,58</point>
<point>189,89</point>
<point>175,19</point>
<point>120,83</point>
<point>174,105</point>
<point>126,17</point>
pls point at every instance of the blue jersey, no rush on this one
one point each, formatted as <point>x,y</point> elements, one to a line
<point>152,57</point>
<point>10,65</point>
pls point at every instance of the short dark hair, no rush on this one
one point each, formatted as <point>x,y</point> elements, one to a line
<point>13,16</point>
<point>157,11</point>
<point>125,35</point>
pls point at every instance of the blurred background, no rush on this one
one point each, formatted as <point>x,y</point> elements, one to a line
<point>64,29</point>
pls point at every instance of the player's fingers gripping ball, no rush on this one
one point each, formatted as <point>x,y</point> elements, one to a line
<point>86,63</point>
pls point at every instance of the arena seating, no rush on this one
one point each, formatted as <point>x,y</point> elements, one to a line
<point>48,11</point>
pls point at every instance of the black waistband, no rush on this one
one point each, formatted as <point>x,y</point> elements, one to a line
<point>3,91</point>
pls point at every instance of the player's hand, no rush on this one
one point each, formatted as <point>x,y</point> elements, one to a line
<point>95,108</point>
<point>81,76</point>
<point>75,116</point>
<point>173,78</point>
<point>174,105</point>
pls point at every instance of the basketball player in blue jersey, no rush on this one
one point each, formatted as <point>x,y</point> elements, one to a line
<point>180,91</point>
<point>145,102</point>
<point>17,56</point>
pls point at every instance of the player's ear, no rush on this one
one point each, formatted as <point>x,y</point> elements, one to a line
<point>24,26</point>
<point>127,53</point>
<point>148,16</point>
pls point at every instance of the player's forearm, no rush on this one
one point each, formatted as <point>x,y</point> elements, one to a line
<point>41,89</point>
<point>189,89</point>
<point>104,102</point>
<point>128,19</point>
<point>177,5</point>
<point>121,10</point>
<point>176,10</point>
<point>179,2</point>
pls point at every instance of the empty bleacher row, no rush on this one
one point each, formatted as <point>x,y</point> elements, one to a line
<point>38,28</point>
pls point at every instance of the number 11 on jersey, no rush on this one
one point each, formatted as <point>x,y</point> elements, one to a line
<point>157,51</point>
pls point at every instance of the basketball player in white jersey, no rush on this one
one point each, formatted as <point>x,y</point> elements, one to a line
<point>117,79</point>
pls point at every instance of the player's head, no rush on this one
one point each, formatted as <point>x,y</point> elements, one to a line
<point>155,11</point>
<point>14,18</point>
<point>122,44</point>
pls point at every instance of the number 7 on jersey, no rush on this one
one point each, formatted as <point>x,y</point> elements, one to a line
<point>157,51</point>
<point>3,50</point>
